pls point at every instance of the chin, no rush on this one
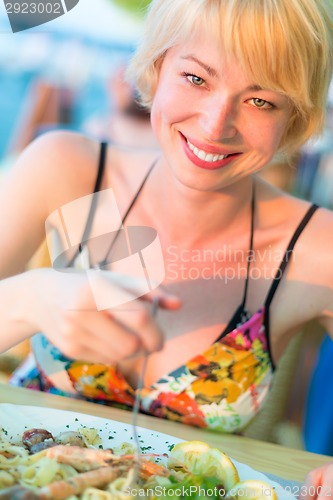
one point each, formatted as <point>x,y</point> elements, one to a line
<point>203,186</point>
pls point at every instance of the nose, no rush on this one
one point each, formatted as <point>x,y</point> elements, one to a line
<point>218,119</point>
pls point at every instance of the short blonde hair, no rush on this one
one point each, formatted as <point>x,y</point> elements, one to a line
<point>283,45</point>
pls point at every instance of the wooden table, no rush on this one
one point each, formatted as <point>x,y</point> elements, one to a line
<point>265,457</point>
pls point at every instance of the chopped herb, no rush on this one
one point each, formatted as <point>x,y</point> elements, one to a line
<point>145,448</point>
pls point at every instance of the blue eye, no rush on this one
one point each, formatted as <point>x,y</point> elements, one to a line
<point>194,79</point>
<point>260,103</point>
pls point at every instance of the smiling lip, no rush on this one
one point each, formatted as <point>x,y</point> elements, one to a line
<point>208,157</point>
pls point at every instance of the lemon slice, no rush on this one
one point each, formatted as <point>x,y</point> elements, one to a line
<point>199,458</point>
<point>252,489</point>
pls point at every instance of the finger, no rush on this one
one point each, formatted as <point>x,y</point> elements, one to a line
<point>318,484</point>
<point>102,335</point>
<point>136,318</point>
<point>131,313</point>
<point>324,490</point>
<point>165,300</point>
<point>307,490</point>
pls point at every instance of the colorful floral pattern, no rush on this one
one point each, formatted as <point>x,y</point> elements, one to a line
<point>221,389</point>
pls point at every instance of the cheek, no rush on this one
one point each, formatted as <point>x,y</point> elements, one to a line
<point>268,135</point>
<point>279,131</point>
<point>155,117</point>
<point>170,105</point>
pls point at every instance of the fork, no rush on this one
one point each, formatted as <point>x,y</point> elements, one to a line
<point>137,401</point>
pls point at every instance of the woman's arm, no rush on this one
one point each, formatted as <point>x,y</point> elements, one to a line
<point>40,179</point>
<point>15,310</point>
<point>54,170</point>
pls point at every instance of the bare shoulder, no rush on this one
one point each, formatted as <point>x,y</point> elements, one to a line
<point>319,240</point>
<point>306,293</point>
<point>314,270</point>
<point>62,164</point>
<point>314,247</point>
<point>284,214</point>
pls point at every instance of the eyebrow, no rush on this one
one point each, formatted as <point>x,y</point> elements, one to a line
<point>254,88</point>
<point>212,72</point>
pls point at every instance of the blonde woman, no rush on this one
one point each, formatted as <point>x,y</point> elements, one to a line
<point>230,84</point>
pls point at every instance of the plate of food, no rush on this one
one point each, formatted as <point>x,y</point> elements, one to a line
<point>55,454</point>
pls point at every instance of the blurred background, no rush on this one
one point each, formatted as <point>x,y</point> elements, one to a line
<point>58,74</point>
<point>68,73</point>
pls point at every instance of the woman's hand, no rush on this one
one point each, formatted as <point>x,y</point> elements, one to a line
<point>318,483</point>
<point>63,306</point>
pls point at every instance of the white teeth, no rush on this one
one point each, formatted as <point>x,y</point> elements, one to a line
<point>209,157</point>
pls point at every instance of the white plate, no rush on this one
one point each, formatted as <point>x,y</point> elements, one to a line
<point>17,418</point>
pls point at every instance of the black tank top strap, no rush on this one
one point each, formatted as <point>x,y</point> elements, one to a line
<point>136,196</point>
<point>288,254</point>
<point>246,286</point>
<point>131,205</point>
<point>93,205</point>
<point>97,188</point>
<point>101,167</point>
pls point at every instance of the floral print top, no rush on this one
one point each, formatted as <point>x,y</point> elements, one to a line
<point>221,389</point>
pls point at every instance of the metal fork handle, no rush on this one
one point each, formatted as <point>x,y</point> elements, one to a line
<point>137,401</point>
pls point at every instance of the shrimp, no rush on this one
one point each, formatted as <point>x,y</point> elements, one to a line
<point>97,478</point>
<point>86,459</point>
<point>75,485</point>
<point>82,459</point>
<point>148,469</point>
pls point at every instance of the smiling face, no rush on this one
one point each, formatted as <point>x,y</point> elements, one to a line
<point>214,124</point>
